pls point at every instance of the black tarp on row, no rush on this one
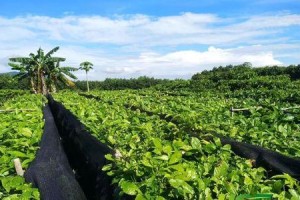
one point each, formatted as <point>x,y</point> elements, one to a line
<point>85,154</point>
<point>50,170</point>
<point>273,161</point>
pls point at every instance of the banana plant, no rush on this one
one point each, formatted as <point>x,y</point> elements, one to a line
<point>41,68</point>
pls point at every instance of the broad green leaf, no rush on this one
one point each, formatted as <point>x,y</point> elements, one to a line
<point>248,180</point>
<point>107,167</point>
<point>181,186</point>
<point>167,149</point>
<point>17,154</point>
<point>221,197</point>
<point>109,157</point>
<point>191,174</point>
<point>158,145</point>
<point>196,144</point>
<point>26,132</point>
<point>295,194</point>
<point>146,162</point>
<point>129,187</point>
<point>111,139</point>
<point>221,170</point>
<point>140,197</point>
<point>163,157</point>
<point>175,157</point>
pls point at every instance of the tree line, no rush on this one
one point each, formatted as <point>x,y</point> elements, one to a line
<point>246,71</point>
<point>120,84</point>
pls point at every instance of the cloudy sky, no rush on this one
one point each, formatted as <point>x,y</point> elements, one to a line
<point>156,38</point>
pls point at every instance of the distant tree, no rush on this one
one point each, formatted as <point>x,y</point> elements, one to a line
<point>247,64</point>
<point>86,66</point>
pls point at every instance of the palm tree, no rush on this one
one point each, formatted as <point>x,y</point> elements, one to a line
<point>40,68</point>
<point>86,66</point>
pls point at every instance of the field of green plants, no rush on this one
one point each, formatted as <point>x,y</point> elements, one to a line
<point>161,140</point>
<point>162,145</point>
<point>21,126</point>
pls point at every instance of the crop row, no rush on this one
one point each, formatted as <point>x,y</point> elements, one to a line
<point>267,125</point>
<point>20,133</point>
<point>158,158</point>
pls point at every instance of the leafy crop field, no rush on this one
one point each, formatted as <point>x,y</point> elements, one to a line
<point>267,123</point>
<point>161,140</point>
<point>159,155</point>
<point>20,133</point>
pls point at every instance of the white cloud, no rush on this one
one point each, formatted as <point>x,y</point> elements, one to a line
<point>10,34</point>
<point>267,22</point>
<point>132,45</point>
<point>188,28</point>
<point>170,65</point>
<point>190,61</point>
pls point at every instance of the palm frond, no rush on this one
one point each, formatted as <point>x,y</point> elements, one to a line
<point>40,54</point>
<point>15,66</point>
<point>65,80</point>
<point>69,74</point>
<point>57,59</point>
<point>20,59</point>
<point>86,63</point>
<point>70,69</point>
<point>52,51</point>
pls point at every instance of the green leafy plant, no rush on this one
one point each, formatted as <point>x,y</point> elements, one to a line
<point>20,133</point>
<point>157,158</point>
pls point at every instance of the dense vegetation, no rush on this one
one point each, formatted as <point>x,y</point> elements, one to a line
<point>121,84</point>
<point>7,81</point>
<point>228,78</point>
<point>161,158</point>
<point>246,71</point>
<point>21,127</point>
<point>244,77</point>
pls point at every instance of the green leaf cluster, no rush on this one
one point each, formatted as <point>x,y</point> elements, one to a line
<point>20,133</point>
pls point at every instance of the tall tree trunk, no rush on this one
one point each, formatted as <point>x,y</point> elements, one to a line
<point>39,81</point>
<point>44,86</point>
<point>87,82</point>
<point>32,85</point>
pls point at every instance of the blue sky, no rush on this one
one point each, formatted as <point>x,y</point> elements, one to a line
<point>57,8</point>
<point>159,38</point>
